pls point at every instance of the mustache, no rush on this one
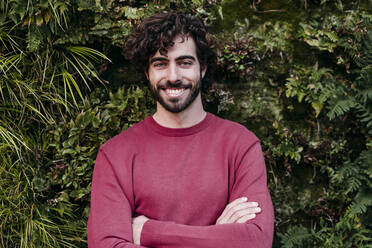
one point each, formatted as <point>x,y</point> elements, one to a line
<point>173,85</point>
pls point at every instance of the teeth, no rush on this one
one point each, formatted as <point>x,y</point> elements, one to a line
<point>174,92</point>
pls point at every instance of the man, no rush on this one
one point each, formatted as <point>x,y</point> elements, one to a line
<point>181,177</point>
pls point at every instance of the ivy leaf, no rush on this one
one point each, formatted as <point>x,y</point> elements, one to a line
<point>317,106</point>
<point>68,151</point>
<point>39,20</point>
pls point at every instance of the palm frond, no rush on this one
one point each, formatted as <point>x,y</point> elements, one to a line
<point>9,139</point>
<point>7,63</point>
<point>70,83</point>
<point>88,53</point>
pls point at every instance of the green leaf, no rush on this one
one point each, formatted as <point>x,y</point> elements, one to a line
<point>317,106</point>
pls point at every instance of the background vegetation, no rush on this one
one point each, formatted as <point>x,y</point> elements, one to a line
<point>296,72</point>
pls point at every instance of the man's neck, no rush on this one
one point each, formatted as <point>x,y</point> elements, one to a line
<point>187,118</point>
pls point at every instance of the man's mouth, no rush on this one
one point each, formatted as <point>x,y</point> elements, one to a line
<point>174,92</point>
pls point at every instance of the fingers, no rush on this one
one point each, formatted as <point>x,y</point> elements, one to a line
<point>239,211</point>
<point>244,214</point>
<point>246,218</point>
<point>226,212</point>
<point>137,225</point>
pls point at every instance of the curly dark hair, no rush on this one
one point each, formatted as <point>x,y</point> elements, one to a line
<point>158,31</point>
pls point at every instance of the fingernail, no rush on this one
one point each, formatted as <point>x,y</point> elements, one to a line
<point>255,204</point>
<point>258,209</point>
<point>244,198</point>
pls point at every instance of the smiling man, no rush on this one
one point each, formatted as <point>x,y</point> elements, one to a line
<point>182,177</point>
<point>173,92</point>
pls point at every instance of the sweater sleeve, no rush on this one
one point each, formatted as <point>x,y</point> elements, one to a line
<point>250,181</point>
<point>110,217</point>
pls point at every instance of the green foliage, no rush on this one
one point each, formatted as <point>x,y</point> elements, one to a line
<point>312,85</point>
<point>297,73</point>
<point>312,78</point>
<point>27,220</point>
<point>361,98</point>
<point>38,84</point>
<point>296,236</point>
<point>75,144</point>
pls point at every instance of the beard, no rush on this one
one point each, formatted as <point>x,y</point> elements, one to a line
<point>176,105</point>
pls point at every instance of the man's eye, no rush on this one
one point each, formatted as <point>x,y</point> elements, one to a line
<point>159,65</point>
<point>186,63</point>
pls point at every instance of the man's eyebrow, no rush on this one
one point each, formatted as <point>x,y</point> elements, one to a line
<point>152,60</point>
<point>155,59</point>
<point>186,57</point>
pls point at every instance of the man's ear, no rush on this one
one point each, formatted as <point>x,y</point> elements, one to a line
<point>147,74</point>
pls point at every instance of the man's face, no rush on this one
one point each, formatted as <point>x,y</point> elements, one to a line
<point>175,78</point>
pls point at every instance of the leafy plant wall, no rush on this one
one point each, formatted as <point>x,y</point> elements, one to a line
<point>296,72</point>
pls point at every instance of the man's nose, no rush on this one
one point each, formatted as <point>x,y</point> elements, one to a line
<point>173,74</point>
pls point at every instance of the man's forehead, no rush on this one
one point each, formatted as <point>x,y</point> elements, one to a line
<point>182,45</point>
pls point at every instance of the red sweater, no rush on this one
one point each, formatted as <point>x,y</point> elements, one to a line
<point>181,179</point>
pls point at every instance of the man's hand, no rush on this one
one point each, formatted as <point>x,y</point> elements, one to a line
<point>239,211</point>
<point>137,225</point>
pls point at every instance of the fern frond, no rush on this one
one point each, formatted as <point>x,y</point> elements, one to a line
<point>294,237</point>
<point>354,176</point>
<point>353,184</point>
<point>361,202</point>
<point>340,107</point>
<point>364,82</point>
<point>347,170</point>
<point>365,116</point>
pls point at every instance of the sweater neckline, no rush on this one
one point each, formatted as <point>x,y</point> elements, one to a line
<point>177,132</point>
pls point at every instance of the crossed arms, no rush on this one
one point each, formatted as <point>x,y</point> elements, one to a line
<point>242,223</point>
<point>238,211</point>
